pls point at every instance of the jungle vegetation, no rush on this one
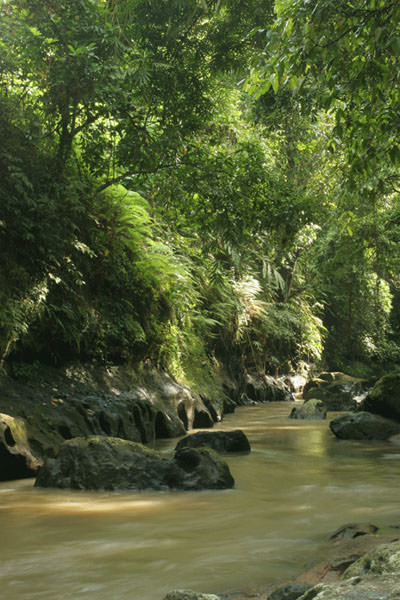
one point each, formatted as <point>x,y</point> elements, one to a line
<point>198,183</point>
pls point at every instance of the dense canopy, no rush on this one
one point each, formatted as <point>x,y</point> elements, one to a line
<point>200,184</point>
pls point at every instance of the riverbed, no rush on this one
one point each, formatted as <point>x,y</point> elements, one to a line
<point>296,487</point>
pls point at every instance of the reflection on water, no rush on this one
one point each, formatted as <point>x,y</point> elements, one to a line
<point>297,485</point>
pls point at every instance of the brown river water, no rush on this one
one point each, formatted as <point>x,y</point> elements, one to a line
<point>296,487</point>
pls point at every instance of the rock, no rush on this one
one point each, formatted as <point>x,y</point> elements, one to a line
<point>16,458</point>
<point>295,383</point>
<point>353,530</point>
<point>220,441</point>
<point>292,591</point>
<point>337,390</point>
<point>314,383</point>
<point>84,400</point>
<point>339,555</point>
<point>363,426</point>
<point>229,405</point>
<point>330,376</point>
<point>385,558</point>
<point>264,388</point>
<point>107,463</point>
<point>128,416</point>
<point>383,587</point>
<point>189,595</point>
<point>174,398</point>
<point>200,468</point>
<point>313,409</point>
<point>384,398</point>
<point>334,399</point>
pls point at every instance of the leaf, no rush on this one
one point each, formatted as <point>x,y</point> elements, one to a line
<point>275,82</point>
<point>395,45</point>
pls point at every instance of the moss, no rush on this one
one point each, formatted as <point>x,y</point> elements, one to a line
<point>387,385</point>
<point>384,399</point>
<point>385,558</point>
<point>95,441</point>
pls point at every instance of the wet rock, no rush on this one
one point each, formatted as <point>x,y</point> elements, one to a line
<point>189,595</point>
<point>384,398</point>
<point>337,390</point>
<point>16,458</point>
<point>199,468</point>
<point>292,591</point>
<point>353,530</point>
<point>220,441</point>
<point>363,426</point>
<point>107,463</point>
<point>313,409</point>
<point>383,587</point>
<point>385,558</point>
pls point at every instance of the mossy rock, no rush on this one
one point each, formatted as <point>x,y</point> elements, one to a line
<point>337,390</point>
<point>107,463</point>
<point>312,409</point>
<point>384,398</point>
<point>385,558</point>
<point>364,426</point>
<point>379,587</point>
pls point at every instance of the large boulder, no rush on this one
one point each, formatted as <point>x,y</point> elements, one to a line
<point>16,458</point>
<point>363,426</point>
<point>384,398</point>
<point>220,441</point>
<point>385,558</point>
<point>107,463</point>
<point>313,409</point>
<point>337,390</point>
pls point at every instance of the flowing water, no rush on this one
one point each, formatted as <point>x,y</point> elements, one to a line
<point>296,487</point>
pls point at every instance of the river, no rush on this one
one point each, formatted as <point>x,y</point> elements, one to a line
<point>296,487</point>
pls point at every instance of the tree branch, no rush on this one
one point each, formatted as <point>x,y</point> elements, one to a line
<point>131,173</point>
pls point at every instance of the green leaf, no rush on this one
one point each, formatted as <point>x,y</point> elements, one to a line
<point>275,82</point>
<point>395,45</point>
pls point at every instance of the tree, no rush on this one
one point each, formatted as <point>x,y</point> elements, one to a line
<point>343,57</point>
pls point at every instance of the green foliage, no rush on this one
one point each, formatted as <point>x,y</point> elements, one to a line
<point>341,57</point>
<point>151,210</point>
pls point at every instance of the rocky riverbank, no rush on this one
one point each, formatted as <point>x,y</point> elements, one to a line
<point>38,414</point>
<point>359,562</point>
<point>111,403</point>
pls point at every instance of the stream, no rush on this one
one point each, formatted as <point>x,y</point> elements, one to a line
<point>295,488</point>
